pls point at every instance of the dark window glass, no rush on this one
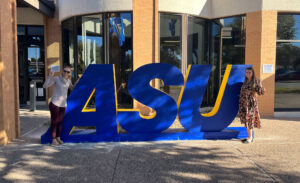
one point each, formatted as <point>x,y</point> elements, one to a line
<point>21,31</point>
<point>233,33</point>
<point>100,39</point>
<point>171,47</point>
<point>288,27</point>
<point>68,43</point>
<point>35,31</point>
<point>120,53</point>
<point>212,88</point>
<point>287,76</point>
<point>170,39</point>
<point>31,62</point>
<point>197,45</point>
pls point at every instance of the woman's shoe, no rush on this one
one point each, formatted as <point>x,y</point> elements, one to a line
<point>54,142</point>
<point>247,141</point>
<point>59,140</point>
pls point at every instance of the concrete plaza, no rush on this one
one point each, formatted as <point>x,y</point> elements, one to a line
<point>274,156</point>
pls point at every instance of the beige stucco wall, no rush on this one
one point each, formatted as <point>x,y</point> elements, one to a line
<point>223,8</point>
<point>29,16</point>
<point>281,5</point>
<point>194,7</point>
<point>69,8</point>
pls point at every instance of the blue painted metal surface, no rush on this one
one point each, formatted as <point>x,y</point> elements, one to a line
<point>104,118</point>
<point>189,110</point>
<point>164,105</point>
<point>100,78</point>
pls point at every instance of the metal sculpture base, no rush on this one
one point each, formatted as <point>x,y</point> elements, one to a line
<point>90,136</point>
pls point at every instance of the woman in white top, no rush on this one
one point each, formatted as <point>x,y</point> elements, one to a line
<point>58,102</point>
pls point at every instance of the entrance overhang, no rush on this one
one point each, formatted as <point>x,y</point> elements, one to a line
<point>46,7</point>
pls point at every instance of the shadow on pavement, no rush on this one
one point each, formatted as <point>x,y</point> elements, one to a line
<point>131,162</point>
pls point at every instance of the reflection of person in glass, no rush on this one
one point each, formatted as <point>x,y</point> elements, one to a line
<point>123,94</point>
<point>58,102</point>
<point>248,108</point>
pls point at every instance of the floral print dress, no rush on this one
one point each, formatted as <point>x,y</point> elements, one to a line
<point>248,108</point>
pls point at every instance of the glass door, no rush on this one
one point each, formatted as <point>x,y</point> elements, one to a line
<point>31,62</point>
<point>171,48</point>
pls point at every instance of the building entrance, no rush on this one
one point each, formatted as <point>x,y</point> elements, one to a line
<point>31,61</point>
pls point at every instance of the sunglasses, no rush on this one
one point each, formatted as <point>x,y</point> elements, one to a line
<point>67,71</point>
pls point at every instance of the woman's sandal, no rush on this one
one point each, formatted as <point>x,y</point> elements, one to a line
<point>54,142</point>
<point>59,141</point>
<point>247,141</point>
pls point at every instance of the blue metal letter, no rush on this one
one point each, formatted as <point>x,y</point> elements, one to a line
<point>165,107</point>
<point>226,106</point>
<point>100,78</point>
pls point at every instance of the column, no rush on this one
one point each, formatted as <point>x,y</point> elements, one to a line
<point>261,28</point>
<point>145,37</point>
<point>53,49</point>
<point>9,84</point>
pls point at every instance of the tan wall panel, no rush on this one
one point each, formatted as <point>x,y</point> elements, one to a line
<point>53,48</point>
<point>29,16</point>
<point>70,8</point>
<point>9,103</point>
<point>261,31</point>
<point>194,7</point>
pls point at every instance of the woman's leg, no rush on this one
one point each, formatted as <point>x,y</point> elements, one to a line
<point>250,132</point>
<point>54,111</point>
<point>62,111</point>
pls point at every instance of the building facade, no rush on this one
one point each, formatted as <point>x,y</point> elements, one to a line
<point>38,34</point>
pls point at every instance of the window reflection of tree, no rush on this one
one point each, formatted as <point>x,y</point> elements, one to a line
<point>120,53</point>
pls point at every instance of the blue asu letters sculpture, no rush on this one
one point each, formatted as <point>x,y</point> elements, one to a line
<point>99,79</point>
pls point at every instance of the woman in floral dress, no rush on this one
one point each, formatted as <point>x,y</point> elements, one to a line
<point>248,108</point>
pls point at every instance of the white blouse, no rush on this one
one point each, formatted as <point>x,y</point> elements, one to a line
<point>61,86</point>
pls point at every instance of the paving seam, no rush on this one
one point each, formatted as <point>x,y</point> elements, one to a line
<point>255,164</point>
<point>115,168</point>
<point>32,130</point>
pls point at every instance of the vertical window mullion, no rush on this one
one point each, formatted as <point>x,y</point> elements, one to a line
<point>184,33</point>
<point>75,52</point>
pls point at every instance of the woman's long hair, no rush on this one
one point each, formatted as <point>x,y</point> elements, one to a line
<point>253,79</point>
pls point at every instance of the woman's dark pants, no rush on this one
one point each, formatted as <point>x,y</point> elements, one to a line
<point>57,116</point>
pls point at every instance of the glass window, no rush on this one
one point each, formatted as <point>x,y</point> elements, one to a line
<point>100,39</point>
<point>21,31</point>
<point>171,47</point>
<point>89,41</point>
<point>35,30</point>
<point>233,31</point>
<point>212,88</point>
<point>288,27</point>
<point>287,76</point>
<point>170,39</point>
<point>68,43</point>
<point>120,53</point>
<point>196,41</point>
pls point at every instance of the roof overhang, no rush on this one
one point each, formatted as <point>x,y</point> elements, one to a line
<point>44,6</point>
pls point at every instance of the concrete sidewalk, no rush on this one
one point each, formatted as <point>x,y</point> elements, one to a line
<point>273,157</point>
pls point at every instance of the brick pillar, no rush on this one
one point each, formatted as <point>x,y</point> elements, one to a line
<point>53,48</point>
<point>145,36</point>
<point>9,84</point>
<point>261,31</point>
